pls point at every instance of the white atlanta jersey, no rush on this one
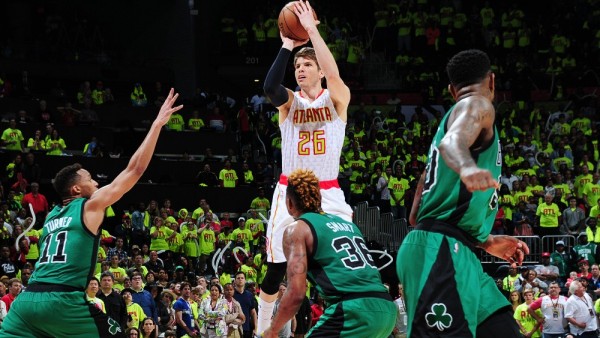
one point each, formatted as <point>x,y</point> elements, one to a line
<point>312,137</point>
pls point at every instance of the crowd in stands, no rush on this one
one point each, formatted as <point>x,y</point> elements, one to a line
<point>550,183</point>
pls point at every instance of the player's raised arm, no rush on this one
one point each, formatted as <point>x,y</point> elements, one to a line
<point>280,96</point>
<point>340,93</point>
<point>138,163</point>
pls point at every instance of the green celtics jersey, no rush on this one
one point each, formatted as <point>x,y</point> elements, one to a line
<point>341,263</point>
<point>586,251</point>
<point>445,197</point>
<point>68,250</point>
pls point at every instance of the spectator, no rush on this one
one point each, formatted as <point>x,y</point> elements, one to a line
<point>260,203</point>
<point>36,143</point>
<point>552,307</point>
<point>213,311</point>
<point>7,266</point>
<point>528,326</point>
<point>586,250</point>
<point>592,230</point>
<point>195,122</point>
<point>547,272</point>
<point>99,94</point>
<point>246,300</point>
<point>561,259</point>
<point>12,137</point>
<point>14,289</point>
<point>138,97</point>
<point>37,200</point>
<point>134,311</point>
<point>573,220</point>
<point>142,297</point>
<point>118,272</point>
<point>55,145</point>
<point>69,115</point>
<point>176,122</point>
<point>549,217</point>
<point>114,304</point>
<point>216,120</point>
<point>228,177</point>
<point>207,178</point>
<point>580,312</point>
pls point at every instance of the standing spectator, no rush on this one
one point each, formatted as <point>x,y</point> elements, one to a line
<point>562,260</point>
<point>227,176</point>
<point>55,145</point>
<point>12,138</point>
<point>98,94</point>
<point>37,201</point>
<point>183,313</point>
<point>246,300</point>
<point>213,310</point>
<point>119,251</point>
<point>548,217</point>
<point>113,302</point>
<point>14,289</point>
<point>260,203</point>
<point>36,143</point>
<point>143,297</point>
<point>580,312</point>
<point>552,307</point>
<point>248,176</point>
<point>139,232</point>
<point>592,230</point>
<point>235,316</point>
<point>586,250</point>
<point>207,178</point>
<point>573,219</point>
<point>289,328</point>
<point>528,325</point>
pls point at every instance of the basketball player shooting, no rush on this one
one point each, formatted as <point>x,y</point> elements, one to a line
<point>312,123</point>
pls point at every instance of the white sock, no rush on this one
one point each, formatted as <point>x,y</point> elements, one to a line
<point>265,313</point>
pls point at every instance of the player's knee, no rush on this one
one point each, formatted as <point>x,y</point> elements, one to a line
<point>274,276</point>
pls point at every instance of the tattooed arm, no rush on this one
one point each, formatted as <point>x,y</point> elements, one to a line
<point>296,239</point>
<point>470,127</point>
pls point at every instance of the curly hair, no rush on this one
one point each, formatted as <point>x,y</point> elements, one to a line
<point>303,189</point>
<point>468,67</point>
<point>65,179</point>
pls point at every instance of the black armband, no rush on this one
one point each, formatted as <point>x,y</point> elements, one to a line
<point>273,88</point>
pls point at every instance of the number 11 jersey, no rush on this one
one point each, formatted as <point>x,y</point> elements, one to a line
<point>68,250</point>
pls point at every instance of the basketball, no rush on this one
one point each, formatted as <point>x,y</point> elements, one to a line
<point>290,25</point>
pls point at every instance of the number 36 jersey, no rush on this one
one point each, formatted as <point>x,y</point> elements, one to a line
<point>68,250</point>
<point>312,137</point>
<point>341,263</point>
<point>445,197</point>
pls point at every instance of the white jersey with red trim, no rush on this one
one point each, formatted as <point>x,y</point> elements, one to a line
<point>312,137</point>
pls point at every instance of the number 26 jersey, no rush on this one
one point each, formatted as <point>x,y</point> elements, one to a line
<point>312,137</point>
